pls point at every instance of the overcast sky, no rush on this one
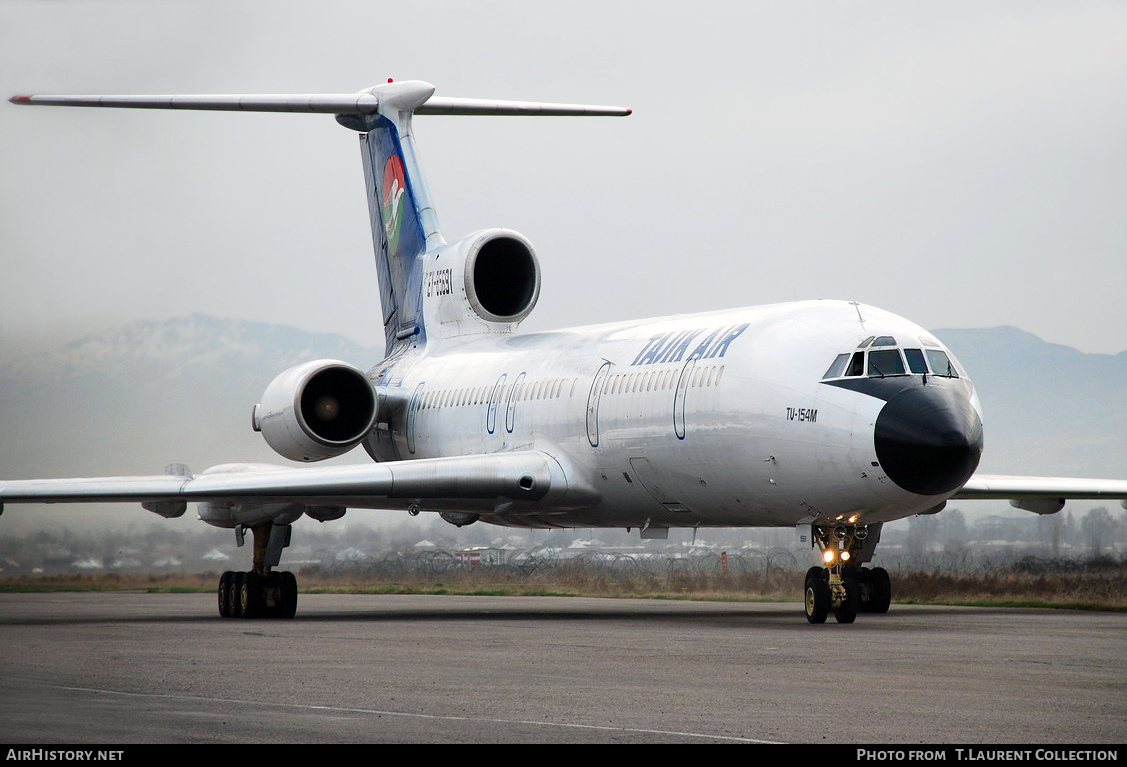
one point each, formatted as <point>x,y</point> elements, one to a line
<point>963,164</point>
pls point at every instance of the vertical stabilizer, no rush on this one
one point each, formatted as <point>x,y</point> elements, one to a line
<point>404,224</point>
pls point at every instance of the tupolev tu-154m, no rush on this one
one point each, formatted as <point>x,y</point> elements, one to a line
<point>830,416</point>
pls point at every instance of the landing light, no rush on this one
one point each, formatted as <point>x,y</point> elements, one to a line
<point>827,557</point>
<point>845,556</point>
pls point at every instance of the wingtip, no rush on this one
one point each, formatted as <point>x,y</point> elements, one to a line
<point>20,99</point>
<point>629,112</point>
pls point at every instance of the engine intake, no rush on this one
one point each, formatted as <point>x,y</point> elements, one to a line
<point>502,276</point>
<point>317,410</point>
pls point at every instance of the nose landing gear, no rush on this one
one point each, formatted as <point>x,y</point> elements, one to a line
<point>843,586</point>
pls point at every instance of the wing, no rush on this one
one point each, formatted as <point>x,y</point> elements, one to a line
<point>515,481</point>
<point>1043,495</point>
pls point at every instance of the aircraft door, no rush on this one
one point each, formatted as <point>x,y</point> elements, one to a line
<point>511,408</point>
<point>593,404</point>
<point>679,396</point>
<point>491,409</point>
<point>412,412</point>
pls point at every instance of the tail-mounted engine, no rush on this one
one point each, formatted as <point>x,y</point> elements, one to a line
<point>317,410</point>
<point>493,273</point>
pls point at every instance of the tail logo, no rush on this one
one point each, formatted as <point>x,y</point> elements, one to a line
<point>394,184</point>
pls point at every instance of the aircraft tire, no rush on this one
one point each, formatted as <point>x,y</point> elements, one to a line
<point>817,595</point>
<point>287,604</point>
<point>236,594</point>
<point>881,590</point>
<point>224,594</point>
<point>250,595</point>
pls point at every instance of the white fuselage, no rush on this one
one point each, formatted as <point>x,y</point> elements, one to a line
<point>715,419</point>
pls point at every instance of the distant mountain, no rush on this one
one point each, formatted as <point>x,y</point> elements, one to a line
<point>184,344</point>
<point>1048,408</point>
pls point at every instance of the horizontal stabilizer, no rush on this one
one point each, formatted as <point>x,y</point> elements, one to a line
<point>343,103</point>
<point>364,103</point>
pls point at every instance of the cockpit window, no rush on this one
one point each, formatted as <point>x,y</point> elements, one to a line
<point>838,366</point>
<point>916,361</point>
<point>941,365</point>
<point>875,358</point>
<point>885,362</point>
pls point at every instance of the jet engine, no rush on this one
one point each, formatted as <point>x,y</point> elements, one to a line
<point>317,410</point>
<point>494,271</point>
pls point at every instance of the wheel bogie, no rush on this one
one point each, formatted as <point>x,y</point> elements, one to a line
<point>250,595</point>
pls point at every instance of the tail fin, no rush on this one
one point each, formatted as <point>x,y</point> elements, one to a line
<point>404,224</point>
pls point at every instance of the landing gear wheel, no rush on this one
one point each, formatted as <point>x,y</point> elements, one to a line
<point>225,594</point>
<point>281,599</point>
<point>287,603</point>
<point>235,591</point>
<point>250,595</point>
<point>881,590</point>
<point>817,595</point>
<point>845,611</point>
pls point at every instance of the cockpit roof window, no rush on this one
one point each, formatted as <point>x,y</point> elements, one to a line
<point>884,341</point>
<point>866,342</point>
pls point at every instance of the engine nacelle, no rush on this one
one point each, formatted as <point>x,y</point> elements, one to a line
<point>494,272</point>
<point>317,410</point>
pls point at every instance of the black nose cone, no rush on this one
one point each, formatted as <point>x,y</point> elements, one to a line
<point>928,439</point>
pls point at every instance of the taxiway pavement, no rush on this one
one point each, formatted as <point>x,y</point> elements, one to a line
<point>164,668</point>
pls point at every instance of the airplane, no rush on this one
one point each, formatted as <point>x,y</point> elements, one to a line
<point>828,416</point>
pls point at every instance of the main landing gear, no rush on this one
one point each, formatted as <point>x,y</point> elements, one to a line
<point>843,586</point>
<point>261,592</point>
